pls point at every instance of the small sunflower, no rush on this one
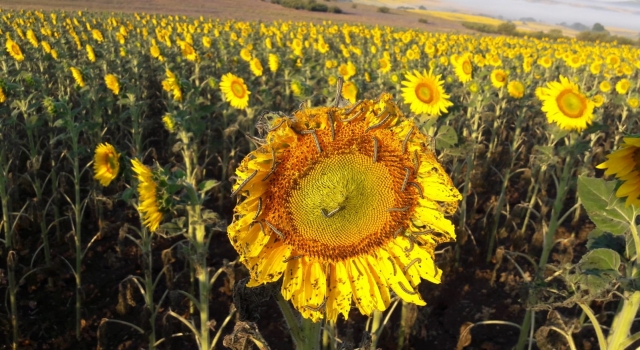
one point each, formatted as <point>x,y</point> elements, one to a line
<point>384,65</point>
<point>464,68</point>
<point>2,95</point>
<point>235,91</point>
<point>347,70</point>
<point>169,122</point>
<point>112,83</point>
<point>515,89</point>
<point>256,67</point>
<point>14,50</point>
<point>106,164</point>
<point>350,91</point>
<point>498,78</point>
<point>605,86</point>
<point>625,165</point>
<point>633,102</point>
<point>623,86</point>
<point>425,94</point>
<point>598,100</point>
<point>274,62</point>
<point>343,204</point>
<point>565,105</point>
<point>91,55</point>
<point>77,76</point>
<point>148,197</point>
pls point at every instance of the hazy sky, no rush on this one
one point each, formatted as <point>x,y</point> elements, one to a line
<point>613,13</point>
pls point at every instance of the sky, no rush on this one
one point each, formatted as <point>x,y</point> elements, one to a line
<point>613,13</point>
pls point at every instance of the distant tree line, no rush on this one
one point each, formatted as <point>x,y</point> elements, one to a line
<point>597,33</point>
<point>309,5</point>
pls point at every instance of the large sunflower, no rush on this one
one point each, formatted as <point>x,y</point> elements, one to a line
<point>148,197</point>
<point>343,204</point>
<point>625,165</point>
<point>565,105</point>
<point>106,164</point>
<point>425,94</point>
<point>235,91</point>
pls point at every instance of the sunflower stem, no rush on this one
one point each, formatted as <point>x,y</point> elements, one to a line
<point>292,321</point>
<point>311,334</point>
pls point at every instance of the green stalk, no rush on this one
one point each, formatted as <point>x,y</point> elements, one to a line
<point>311,334</point>
<point>402,332</point>
<point>375,326</point>
<point>12,258</point>
<point>503,192</point>
<point>548,240</point>
<point>149,286</point>
<point>292,321</point>
<point>78,229</point>
<point>622,323</point>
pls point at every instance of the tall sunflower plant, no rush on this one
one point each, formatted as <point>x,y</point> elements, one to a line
<point>610,265</point>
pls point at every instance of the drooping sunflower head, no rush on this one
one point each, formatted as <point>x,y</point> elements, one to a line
<point>565,105</point>
<point>344,204</point>
<point>498,78</point>
<point>424,93</point>
<point>625,165</point>
<point>235,91</point>
<point>106,164</point>
<point>149,204</point>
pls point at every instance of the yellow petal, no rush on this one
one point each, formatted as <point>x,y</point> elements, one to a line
<point>360,287</point>
<point>269,266</point>
<point>396,279</point>
<point>339,294</point>
<point>292,278</point>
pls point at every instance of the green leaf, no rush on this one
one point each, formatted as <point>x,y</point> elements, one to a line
<point>598,238</point>
<point>127,194</point>
<point>206,185</point>
<point>446,137</point>
<point>600,259</point>
<point>606,210</point>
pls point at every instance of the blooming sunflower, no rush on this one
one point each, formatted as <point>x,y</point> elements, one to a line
<point>598,100</point>
<point>623,86</point>
<point>350,91</point>
<point>235,91</point>
<point>106,164</point>
<point>464,69</point>
<point>347,70</point>
<point>633,102</point>
<point>2,95</point>
<point>343,204</point>
<point>14,50</point>
<point>77,76</point>
<point>425,94</point>
<point>384,65</point>
<point>112,83</point>
<point>515,89</point>
<point>169,122</point>
<point>565,105</point>
<point>256,67</point>
<point>91,54</point>
<point>625,165</point>
<point>498,78</point>
<point>274,62</point>
<point>147,191</point>
<point>605,86</point>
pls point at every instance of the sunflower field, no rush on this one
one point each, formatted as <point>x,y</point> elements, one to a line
<point>175,182</point>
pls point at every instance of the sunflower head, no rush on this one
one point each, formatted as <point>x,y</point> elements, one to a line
<point>565,105</point>
<point>623,86</point>
<point>150,207</point>
<point>235,91</point>
<point>425,94</point>
<point>625,165</point>
<point>498,78</point>
<point>464,68</point>
<point>112,83</point>
<point>344,204</point>
<point>106,164</point>
<point>516,89</point>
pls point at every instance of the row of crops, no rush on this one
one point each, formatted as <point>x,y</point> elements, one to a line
<point>132,137</point>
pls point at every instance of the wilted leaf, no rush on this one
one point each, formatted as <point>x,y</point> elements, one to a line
<point>600,259</point>
<point>598,238</point>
